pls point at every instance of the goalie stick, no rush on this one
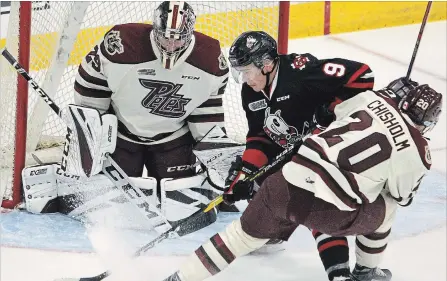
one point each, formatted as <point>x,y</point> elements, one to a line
<point>110,168</point>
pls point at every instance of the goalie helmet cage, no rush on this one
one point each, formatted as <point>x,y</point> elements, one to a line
<point>50,39</point>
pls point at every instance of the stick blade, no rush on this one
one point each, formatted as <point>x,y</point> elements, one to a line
<point>94,278</point>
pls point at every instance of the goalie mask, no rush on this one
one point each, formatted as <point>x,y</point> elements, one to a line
<point>173,30</point>
<point>423,105</point>
<point>249,53</point>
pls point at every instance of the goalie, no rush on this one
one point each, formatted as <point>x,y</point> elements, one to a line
<point>164,94</point>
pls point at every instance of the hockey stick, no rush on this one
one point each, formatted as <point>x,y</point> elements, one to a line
<point>279,159</point>
<point>110,168</point>
<point>418,40</point>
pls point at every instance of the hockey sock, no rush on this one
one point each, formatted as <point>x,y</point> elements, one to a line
<point>334,253</point>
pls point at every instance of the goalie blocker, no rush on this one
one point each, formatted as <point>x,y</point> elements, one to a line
<point>90,136</point>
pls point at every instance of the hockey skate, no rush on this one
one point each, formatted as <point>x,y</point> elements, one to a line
<point>363,273</point>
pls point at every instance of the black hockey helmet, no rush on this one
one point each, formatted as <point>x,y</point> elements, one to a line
<point>173,25</point>
<point>253,47</point>
<point>399,88</point>
<point>423,105</point>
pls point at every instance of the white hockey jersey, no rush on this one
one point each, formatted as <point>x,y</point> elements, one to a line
<point>124,74</point>
<point>370,146</point>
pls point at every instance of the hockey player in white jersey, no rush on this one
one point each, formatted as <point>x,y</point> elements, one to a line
<point>164,82</point>
<point>348,180</point>
<point>164,91</point>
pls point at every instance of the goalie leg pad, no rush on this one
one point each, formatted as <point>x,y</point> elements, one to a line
<point>97,201</point>
<point>40,188</point>
<point>183,197</point>
<point>48,189</point>
<point>89,138</point>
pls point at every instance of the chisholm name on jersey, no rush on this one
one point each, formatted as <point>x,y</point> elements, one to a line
<point>393,125</point>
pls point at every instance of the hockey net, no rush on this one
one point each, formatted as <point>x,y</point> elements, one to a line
<point>50,39</point>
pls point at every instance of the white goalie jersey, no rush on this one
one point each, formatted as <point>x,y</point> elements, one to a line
<point>370,147</point>
<point>124,75</point>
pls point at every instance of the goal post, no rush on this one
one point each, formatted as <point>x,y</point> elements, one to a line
<point>50,39</point>
<point>18,132</point>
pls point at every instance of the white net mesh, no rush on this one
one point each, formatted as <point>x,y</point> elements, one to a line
<point>221,20</point>
<point>8,105</point>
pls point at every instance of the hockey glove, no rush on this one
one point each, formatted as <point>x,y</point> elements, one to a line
<point>323,117</point>
<point>236,187</point>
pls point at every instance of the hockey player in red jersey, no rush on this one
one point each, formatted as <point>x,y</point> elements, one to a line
<point>280,94</point>
<point>329,187</point>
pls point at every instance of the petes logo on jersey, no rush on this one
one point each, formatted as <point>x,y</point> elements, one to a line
<point>257,105</point>
<point>163,99</point>
<point>112,43</point>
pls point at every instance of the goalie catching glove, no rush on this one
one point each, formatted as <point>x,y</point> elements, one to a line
<point>90,136</point>
<point>236,186</point>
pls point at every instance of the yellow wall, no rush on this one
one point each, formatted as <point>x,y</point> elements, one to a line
<point>306,19</point>
<point>355,16</point>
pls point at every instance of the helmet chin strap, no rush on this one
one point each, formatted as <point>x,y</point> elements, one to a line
<point>267,74</point>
